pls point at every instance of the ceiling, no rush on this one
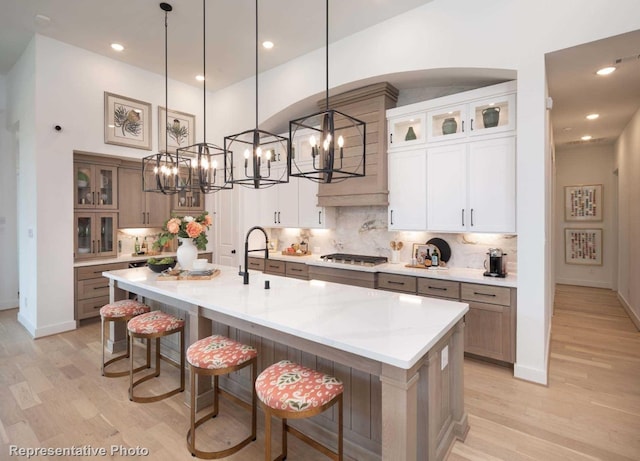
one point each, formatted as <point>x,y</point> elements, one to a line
<point>298,27</point>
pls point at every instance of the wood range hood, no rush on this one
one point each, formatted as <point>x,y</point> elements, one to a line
<point>368,104</point>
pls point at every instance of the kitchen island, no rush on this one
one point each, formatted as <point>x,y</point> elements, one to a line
<point>400,356</point>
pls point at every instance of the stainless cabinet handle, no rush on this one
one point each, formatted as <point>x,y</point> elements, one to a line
<point>472,217</point>
<point>463,217</point>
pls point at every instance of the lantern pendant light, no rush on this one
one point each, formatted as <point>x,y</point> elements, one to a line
<point>212,165</point>
<point>335,150</point>
<point>166,172</point>
<point>263,152</point>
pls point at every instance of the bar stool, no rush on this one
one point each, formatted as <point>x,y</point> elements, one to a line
<point>120,311</point>
<point>215,356</point>
<point>155,324</point>
<point>290,391</point>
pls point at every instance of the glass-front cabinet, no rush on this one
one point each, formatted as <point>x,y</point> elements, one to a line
<point>96,186</point>
<point>406,130</point>
<point>95,234</point>
<point>189,199</point>
<point>447,123</point>
<point>493,115</point>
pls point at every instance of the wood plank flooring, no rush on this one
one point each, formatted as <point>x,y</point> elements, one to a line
<point>52,395</point>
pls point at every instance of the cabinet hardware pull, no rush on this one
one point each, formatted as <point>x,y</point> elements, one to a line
<point>471,124</point>
<point>278,217</point>
<point>273,267</point>
<point>463,217</point>
<point>93,246</point>
<point>391,217</point>
<point>391,282</point>
<point>98,288</point>
<point>391,138</point>
<point>97,307</point>
<point>319,217</point>
<point>148,218</point>
<point>93,198</point>
<point>274,217</point>
<point>437,288</point>
<point>484,294</point>
<point>233,252</point>
<point>293,269</point>
<point>472,217</point>
<point>99,251</point>
<point>463,126</point>
<point>143,218</point>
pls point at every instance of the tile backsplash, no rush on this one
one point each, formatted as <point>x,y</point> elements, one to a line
<point>363,230</point>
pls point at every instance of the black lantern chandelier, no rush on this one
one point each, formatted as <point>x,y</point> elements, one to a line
<point>336,147</point>
<point>260,149</point>
<point>166,172</point>
<point>212,165</point>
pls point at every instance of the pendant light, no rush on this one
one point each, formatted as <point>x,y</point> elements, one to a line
<point>335,150</point>
<point>212,165</point>
<point>166,172</point>
<point>260,149</point>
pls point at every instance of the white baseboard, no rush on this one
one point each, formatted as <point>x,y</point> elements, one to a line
<point>8,304</point>
<point>535,375</point>
<point>583,283</point>
<point>45,331</point>
<point>635,318</point>
<point>31,329</point>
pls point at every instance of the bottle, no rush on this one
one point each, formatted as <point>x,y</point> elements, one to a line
<point>144,245</point>
<point>136,247</point>
<point>427,258</point>
<point>435,258</point>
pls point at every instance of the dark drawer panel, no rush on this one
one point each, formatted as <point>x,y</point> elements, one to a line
<point>439,288</point>
<point>393,282</point>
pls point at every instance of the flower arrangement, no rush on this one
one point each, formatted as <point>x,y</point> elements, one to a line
<point>185,227</point>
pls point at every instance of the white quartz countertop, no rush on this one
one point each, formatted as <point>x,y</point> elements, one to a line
<point>392,328</point>
<point>458,274</point>
<point>126,259</point>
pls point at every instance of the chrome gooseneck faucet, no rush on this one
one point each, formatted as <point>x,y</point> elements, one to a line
<point>245,274</point>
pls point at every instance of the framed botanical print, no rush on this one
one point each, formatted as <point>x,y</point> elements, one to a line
<point>583,246</point>
<point>127,122</point>
<point>583,203</point>
<point>176,128</point>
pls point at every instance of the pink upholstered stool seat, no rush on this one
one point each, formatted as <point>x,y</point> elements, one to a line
<point>155,325</point>
<point>291,391</point>
<point>118,311</point>
<point>215,356</point>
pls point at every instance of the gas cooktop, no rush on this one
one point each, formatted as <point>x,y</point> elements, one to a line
<point>361,260</point>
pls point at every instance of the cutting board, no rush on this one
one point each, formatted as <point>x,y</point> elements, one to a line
<point>186,275</point>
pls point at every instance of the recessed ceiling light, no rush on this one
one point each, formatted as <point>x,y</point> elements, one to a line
<point>200,78</point>
<point>592,116</point>
<point>117,47</point>
<point>586,138</point>
<point>267,44</point>
<point>606,71</point>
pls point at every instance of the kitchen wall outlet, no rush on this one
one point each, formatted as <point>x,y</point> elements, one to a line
<point>30,233</point>
<point>444,357</point>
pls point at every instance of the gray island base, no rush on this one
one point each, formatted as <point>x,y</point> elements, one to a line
<point>399,356</point>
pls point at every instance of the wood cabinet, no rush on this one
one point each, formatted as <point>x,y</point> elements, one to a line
<point>297,270</point>
<point>256,264</point>
<point>407,190</point>
<point>96,185</point>
<point>96,234</point>
<point>471,187</point>
<point>395,282</point>
<point>92,289</point>
<point>438,288</point>
<point>188,201</point>
<point>139,208</point>
<point>344,276</point>
<point>491,321</point>
<point>272,266</point>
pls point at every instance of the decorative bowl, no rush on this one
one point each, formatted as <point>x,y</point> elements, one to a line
<point>161,267</point>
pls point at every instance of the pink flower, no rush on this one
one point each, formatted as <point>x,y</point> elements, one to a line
<point>173,225</point>
<point>208,220</point>
<point>194,229</point>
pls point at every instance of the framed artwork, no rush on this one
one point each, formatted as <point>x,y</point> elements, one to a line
<point>127,122</point>
<point>419,253</point>
<point>583,203</point>
<point>180,129</point>
<point>583,246</point>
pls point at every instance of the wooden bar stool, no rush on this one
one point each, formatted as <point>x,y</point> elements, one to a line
<point>120,311</point>
<point>290,391</point>
<point>215,356</point>
<point>155,324</point>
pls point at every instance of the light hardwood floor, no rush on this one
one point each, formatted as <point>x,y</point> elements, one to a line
<point>52,395</point>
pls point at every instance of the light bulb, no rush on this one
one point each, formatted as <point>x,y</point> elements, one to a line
<point>247,153</point>
<point>215,164</point>
<point>340,141</point>
<point>259,152</point>
<point>312,141</point>
<point>269,155</point>
<point>325,144</point>
<point>205,164</point>
<point>155,170</point>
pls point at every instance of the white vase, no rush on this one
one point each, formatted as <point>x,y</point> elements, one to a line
<point>187,253</point>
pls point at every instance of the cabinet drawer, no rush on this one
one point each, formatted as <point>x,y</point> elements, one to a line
<point>439,288</point>
<point>485,294</point>
<point>257,264</point>
<point>404,283</point>
<point>274,267</point>
<point>92,288</point>
<point>88,308</point>
<point>297,270</point>
<point>92,272</point>
<point>344,276</point>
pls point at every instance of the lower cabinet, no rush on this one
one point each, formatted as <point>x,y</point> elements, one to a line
<point>277,267</point>
<point>344,276</point>
<point>490,329</point>
<point>400,283</point>
<point>92,289</point>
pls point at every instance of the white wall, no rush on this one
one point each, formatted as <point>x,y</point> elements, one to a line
<point>627,161</point>
<point>8,211</point>
<point>587,165</point>
<point>501,34</point>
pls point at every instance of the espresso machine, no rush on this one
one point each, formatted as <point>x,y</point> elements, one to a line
<point>496,263</point>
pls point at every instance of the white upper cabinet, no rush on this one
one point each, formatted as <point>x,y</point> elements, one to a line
<point>407,190</point>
